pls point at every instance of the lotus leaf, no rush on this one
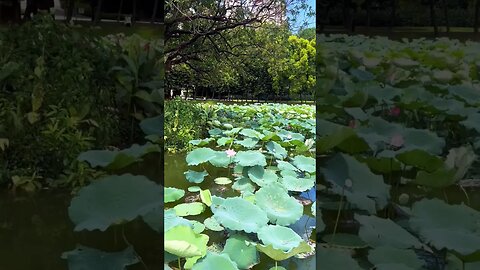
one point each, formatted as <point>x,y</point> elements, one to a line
<point>155,219</point>
<point>239,214</point>
<point>170,220</point>
<point>221,159</point>
<point>332,259</point>
<point>305,163</point>
<point>276,150</point>
<point>115,160</point>
<point>251,133</point>
<point>297,184</point>
<point>368,191</point>
<point>392,255</point>
<point>280,237</point>
<point>247,142</point>
<point>212,224</point>
<point>344,240</point>
<point>172,194</point>
<point>189,209</point>
<point>202,142</point>
<point>261,177</point>
<point>282,165</point>
<point>215,261</point>
<point>88,258</point>
<point>206,197</point>
<point>200,155</point>
<point>454,227</point>
<point>195,177</point>
<point>113,200</point>
<point>243,184</point>
<point>280,255</point>
<point>384,232</point>
<point>224,141</point>
<point>222,181</point>
<point>279,206</point>
<point>250,158</point>
<point>198,227</point>
<point>194,189</point>
<point>183,242</point>
<point>243,254</point>
<point>152,126</point>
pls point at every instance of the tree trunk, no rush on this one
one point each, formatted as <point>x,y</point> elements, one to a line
<point>445,14</point>
<point>154,13</point>
<point>393,15</point>
<point>369,13</point>
<point>120,9</point>
<point>134,11</point>
<point>98,12</point>
<point>432,18</point>
<point>477,13</point>
<point>69,10</point>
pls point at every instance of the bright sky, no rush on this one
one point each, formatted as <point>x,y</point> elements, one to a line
<point>302,16</point>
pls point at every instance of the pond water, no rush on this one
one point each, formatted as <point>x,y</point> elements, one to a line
<point>35,229</point>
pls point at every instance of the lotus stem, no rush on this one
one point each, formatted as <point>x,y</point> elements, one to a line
<point>136,254</point>
<point>179,264</point>
<point>276,265</point>
<point>338,213</point>
<point>466,194</point>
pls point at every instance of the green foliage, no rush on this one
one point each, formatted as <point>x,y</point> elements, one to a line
<point>184,121</point>
<point>399,116</point>
<point>55,97</point>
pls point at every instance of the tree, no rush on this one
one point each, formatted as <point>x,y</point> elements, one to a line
<point>192,25</point>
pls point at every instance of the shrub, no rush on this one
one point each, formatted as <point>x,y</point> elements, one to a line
<point>56,98</point>
<point>184,121</point>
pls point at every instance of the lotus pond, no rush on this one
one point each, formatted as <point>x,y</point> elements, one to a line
<point>243,197</point>
<point>398,138</point>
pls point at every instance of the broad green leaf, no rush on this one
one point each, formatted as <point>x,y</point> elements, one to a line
<point>215,261</point>
<point>189,209</point>
<point>93,259</point>
<point>245,256</point>
<point>281,209</point>
<point>113,200</point>
<point>200,155</point>
<point>173,194</point>
<point>195,177</point>
<point>240,215</point>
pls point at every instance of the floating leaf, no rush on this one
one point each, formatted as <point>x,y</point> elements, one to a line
<point>93,259</point>
<point>170,220</point>
<point>222,181</point>
<point>279,206</point>
<point>280,237</point>
<point>113,200</point>
<point>215,261</point>
<point>454,227</point>
<point>245,256</point>
<point>115,160</point>
<point>344,240</point>
<point>262,177</point>
<point>221,159</point>
<point>172,194</point>
<point>206,197</point>
<point>189,209</point>
<point>194,189</point>
<point>183,242</point>
<point>240,215</point>
<point>330,259</point>
<point>392,255</point>
<point>195,177</point>
<point>384,232</point>
<point>305,163</point>
<point>280,255</point>
<point>212,224</point>
<point>200,155</point>
<point>297,184</point>
<point>276,150</point>
<point>250,158</point>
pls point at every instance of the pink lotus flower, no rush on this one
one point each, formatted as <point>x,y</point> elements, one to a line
<point>395,111</point>
<point>230,153</point>
<point>397,140</point>
<point>352,124</point>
